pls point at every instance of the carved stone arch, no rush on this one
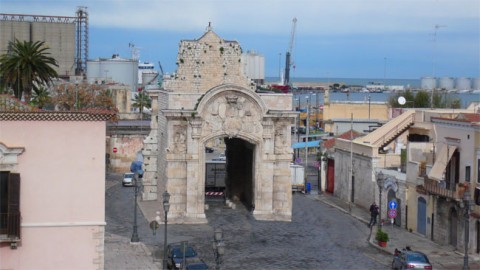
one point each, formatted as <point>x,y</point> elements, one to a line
<point>208,97</point>
<point>231,110</point>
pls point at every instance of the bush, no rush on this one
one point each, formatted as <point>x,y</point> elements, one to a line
<point>381,236</point>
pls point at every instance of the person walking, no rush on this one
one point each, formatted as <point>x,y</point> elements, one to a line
<point>373,214</point>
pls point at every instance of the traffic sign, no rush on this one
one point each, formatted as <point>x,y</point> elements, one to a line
<point>392,205</point>
<point>114,149</point>
<point>392,213</point>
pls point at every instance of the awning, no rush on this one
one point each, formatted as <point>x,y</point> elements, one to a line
<point>308,144</point>
<point>442,158</point>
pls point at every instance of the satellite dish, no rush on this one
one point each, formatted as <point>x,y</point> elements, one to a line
<point>402,100</point>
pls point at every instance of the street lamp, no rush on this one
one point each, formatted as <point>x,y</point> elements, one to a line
<point>166,207</point>
<point>467,205</point>
<point>218,247</point>
<point>136,179</point>
<point>380,181</point>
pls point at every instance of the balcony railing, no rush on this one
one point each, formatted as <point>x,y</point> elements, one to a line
<point>436,188</point>
<point>9,226</point>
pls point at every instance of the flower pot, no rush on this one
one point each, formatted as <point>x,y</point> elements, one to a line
<point>382,244</point>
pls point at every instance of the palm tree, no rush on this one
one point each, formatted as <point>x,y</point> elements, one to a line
<point>141,101</point>
<point>40,97</point>
<point>26,66</point>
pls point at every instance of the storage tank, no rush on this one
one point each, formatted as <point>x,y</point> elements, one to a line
<point>446,83</point>
<point>476,83</point>
<point>150,78</point>
<point>463,84</point>
<point>428,83</point>
<point>115,69</point>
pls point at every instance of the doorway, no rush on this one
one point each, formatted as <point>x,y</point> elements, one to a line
<point>453,227</point>
<point>240,171</point>
<point>422,216</point>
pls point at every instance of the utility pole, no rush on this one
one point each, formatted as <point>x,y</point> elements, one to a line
<point>434,59</point>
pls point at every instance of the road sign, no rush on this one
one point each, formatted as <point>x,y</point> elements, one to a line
<point>392,213</point>
<point>114,149</point>
<point>392,205</point>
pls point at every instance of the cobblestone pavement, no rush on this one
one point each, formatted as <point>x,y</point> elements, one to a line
<point>319,237</point>
<point>441,257</point>
<point>325,233</point>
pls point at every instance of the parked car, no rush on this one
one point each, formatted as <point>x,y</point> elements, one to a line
<point>209,150</point>
<point>127,179</point>
<point>195,263</point>
<point>175,254</point>
<point>408,259</point>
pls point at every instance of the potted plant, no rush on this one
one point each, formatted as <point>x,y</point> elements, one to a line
<point>382,238</point>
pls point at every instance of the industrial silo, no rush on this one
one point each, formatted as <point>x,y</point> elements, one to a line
<point>446,83</point>
<point>428,83</point>
<point>463,84</point>
<point>476,83</point>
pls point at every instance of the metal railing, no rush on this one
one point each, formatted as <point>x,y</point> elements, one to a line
<point>434,187</point>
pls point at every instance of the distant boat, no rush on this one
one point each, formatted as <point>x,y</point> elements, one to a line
<point>477,91</point>
<point>463,91</point>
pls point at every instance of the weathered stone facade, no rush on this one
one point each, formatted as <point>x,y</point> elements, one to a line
<point>209,98</point>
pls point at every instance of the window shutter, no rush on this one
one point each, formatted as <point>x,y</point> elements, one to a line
<point>13,217</point>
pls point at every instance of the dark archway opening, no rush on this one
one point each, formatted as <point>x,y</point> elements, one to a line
<point>240,171</point>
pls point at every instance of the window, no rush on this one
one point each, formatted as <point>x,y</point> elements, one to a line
<point>9,205</point>
<point>467,173</point>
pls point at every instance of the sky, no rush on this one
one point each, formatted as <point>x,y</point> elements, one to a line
<point>398,39</point>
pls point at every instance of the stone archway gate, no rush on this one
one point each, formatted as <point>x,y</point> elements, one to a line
<point>175,150</point>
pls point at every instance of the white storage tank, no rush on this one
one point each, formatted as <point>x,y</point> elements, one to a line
<point>115,69</point>
<point>446,83</point>
<point>476,83</point>
<point>463,84</point>
<point>150,78</point>
<point>428,83</point>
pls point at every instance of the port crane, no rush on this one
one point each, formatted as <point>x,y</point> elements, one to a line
<point>284,85</point>
<point>288,56</point>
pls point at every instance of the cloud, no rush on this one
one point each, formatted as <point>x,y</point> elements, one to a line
<point>264,16</point>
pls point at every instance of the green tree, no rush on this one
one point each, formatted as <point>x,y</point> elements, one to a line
<point>422,99</point>
<point>26,66</point>
<point>142,100</point>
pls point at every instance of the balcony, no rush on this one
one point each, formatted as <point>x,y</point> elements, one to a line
<point>436,188</point>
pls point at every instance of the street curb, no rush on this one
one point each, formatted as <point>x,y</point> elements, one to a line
<point>370,242</point>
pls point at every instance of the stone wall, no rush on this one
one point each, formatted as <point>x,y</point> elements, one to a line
<point>207,62</point>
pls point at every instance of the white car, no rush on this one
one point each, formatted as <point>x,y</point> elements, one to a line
<point>127,179</point>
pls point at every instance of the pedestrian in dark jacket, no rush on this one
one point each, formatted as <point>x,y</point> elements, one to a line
<point>373,214</point>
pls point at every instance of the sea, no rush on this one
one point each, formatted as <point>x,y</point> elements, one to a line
<point>414,83</point>
<point>318,97</point>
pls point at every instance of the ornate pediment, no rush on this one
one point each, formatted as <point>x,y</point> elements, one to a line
<point>9,156</point>
<point>232,113</point>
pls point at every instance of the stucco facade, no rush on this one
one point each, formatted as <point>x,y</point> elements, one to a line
<point>62,189</point>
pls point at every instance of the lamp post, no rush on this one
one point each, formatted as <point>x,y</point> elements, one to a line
<point>307,130</point>
<point>368,107</point>
<point>467,205</point>
<point>136,168</point>
<point>166,207</point>
<point>218,247</point>
<point>380,180</point>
